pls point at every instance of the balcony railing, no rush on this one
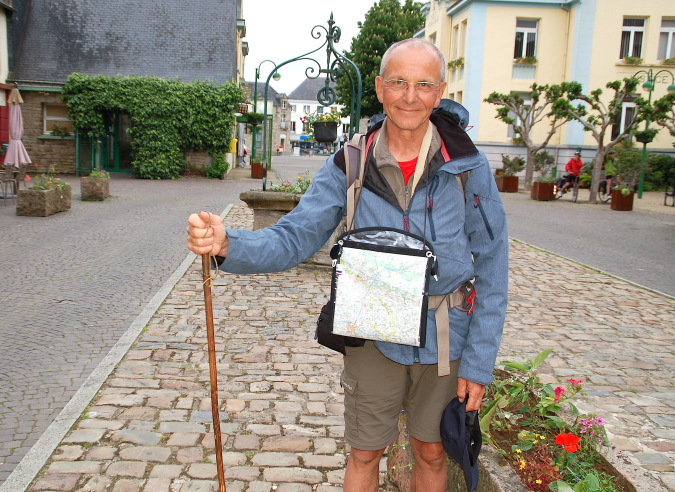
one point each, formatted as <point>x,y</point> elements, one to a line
<point>523,71</point>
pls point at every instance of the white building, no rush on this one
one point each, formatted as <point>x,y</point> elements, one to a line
<point>303,101</point>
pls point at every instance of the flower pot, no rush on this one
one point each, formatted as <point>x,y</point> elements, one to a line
<point>325,131</point>
<point>94,189</point>
<point>257,170</point>
<point>622,203</point>
<point>507,184</point>
<point>41,203</point>
<point>543,192</point>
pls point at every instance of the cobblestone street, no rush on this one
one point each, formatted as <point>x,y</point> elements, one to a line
<point>148,429</point>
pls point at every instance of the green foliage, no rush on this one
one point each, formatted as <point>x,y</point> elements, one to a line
<point>255,119</point>
<point>60,131</point>
<point>168,117</point>
<point>512,165</point>
<point>385,23</point>
<point>528,60</point>
<point>668,61</point>
<point>99,173</point>
<point>663,112</point>
<point>218,167</point>
<point>459,62</point>
<point>629,166</point>
<point>299,186</point>
<point>632,60</point>
<point>543,162</point>
<point>661,171</point>
<point>48,181</point>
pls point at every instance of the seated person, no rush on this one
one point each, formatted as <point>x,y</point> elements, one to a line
<point>573,169</point>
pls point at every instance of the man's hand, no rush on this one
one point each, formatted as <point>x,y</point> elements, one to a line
<point>206,234</point>
<point>476,392</point>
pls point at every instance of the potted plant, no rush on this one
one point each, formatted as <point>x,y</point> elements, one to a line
<point>324,125</point>
<point>668,61</point>
<point>632,60</point>
<point>646,136</point>
<point>454,64</point>
<point>628,165</point>
<point>96,186</point>
<point>544,188</point>
<point>257,167</point>
<point>254,119</point>
<point>507,181</point>
<point>48,195</point>
<point>528,60</point>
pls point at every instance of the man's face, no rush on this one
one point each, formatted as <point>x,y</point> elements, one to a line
<point>410,109</point>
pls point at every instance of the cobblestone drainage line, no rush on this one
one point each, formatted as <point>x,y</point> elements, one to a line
<point>640,286</point>
<point>41,451</point>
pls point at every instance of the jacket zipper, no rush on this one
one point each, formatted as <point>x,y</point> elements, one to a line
<point>479,205</point>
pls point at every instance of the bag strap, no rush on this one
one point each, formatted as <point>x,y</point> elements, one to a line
<point>422,157</point>
<point>355,165</point>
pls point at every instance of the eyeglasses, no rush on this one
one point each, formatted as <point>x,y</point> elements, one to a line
<point>399,85</point>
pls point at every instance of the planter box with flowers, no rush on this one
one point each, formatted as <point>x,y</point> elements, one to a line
<point>269,206</point>
<point>323,126</point>
<point>96,186</point>
<point>48,196</point>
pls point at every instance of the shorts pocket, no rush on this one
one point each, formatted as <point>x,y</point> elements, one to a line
<point>349,384</point>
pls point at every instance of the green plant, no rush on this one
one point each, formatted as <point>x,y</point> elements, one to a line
<point>48,181</point>
<point>60,131</point>
<point>661,171</point>
<point>632,60</point>
<point>299,186</point>
<point>543,162</point>
<point>255,118</point>
<point>168,117</point>
<point>546,179</point>
<point>218,167</point>
<point>99,173</point>
<point>512,165</point>
<point>459,62</point>
<point>668,61</point>
<point>629,166</point>
<point>528,60</point>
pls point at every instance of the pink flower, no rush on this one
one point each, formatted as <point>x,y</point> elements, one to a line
<point>574,382</point>
<point>27,177</point>
<point>559,391</point>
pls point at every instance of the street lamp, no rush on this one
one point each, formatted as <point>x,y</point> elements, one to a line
<point>648,86</point>
<point>276,76</point>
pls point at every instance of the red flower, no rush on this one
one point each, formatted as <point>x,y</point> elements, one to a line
<point>27,177</point>
<point>559,391</point>
<point>569,441</point>
<point>574,382</point>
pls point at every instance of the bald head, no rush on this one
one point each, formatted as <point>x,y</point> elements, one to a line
<point>415,43</point>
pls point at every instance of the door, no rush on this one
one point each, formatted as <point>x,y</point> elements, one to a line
<point>117,146</point>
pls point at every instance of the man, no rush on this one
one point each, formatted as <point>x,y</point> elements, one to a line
<point>380,379</point>
<point>610,169</point>
<point>573,169</point>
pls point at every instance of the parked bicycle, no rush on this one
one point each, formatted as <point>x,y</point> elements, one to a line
<point>604,193</point>
<point>560,189</point>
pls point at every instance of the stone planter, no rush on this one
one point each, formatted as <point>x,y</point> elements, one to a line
<point>507,184</point>
<point>94,189</point>
<point>542,191</point>
<point>41,203</point>
<point>269,206</point>
<point>622,203</point>
<point>257,170</point>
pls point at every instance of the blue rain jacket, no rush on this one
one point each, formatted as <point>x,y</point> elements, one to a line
<point>468,234</point>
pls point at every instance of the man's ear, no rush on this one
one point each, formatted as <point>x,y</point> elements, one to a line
<point>441,91</point>
<point>379,88</point>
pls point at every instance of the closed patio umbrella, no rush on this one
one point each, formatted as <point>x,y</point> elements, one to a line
<point>16,152</point>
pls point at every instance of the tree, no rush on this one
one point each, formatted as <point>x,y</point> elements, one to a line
<point>547,102</point>
<point>663,112</point>
<point>385,23</point>
<point>598,117</point>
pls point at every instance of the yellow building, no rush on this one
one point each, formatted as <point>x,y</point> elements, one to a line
<point>489,42</point>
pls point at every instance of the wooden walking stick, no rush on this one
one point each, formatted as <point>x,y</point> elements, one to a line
<point>211,337</point>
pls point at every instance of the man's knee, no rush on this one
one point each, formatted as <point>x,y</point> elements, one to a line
<point>431,453</point>
<point>365,458</point>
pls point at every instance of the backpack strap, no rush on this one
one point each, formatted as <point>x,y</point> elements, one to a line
<point>355,165</point>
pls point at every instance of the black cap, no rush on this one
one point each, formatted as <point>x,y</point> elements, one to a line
<point>462,440</point>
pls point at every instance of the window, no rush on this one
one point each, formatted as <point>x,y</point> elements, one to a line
<point>283,118</point>
<point>451,96</point>
<point>631,38</point>
<point>462,46</point>
<point>432,38</point>
<point>283,104</point>
<point>305,109</point>
<point>345,129</point>
<point>455,42</point>
<point>258,138</point>
<point>319,110</point>
<point>526,38</point>
<point>624,118</point>
<point>56,114</point>
<point>459,97</point>
<point>293,126</point>
<point>667,39</point>
<point>294,108</point>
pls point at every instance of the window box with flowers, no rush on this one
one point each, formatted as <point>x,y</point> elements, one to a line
<point>48,195</point>
<point>96,186</point>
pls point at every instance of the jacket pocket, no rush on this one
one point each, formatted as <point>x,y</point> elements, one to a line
<point>349,384</point>
<point>479,205</point>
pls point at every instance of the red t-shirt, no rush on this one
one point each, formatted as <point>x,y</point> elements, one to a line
<point>408,168</point>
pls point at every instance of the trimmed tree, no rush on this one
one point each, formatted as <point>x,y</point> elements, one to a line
<point>546,103</point>
<point>663,112</point>
<point>597,117</point>
<point>385,23</point>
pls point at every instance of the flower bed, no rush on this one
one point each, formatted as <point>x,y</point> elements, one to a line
<point>522,419</point>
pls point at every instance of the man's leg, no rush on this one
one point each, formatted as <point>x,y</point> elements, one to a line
<point>431,470</point>
<point>362,474</point>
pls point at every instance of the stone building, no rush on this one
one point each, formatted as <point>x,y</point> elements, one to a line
<point>171,39</point>
<point>278,105</point>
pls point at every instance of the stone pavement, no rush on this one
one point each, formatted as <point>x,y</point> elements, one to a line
<point>281,404</point>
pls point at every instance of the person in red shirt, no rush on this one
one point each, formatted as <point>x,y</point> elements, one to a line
<point>573,169</point>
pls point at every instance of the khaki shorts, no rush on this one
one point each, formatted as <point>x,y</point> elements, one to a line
<point>377,389</point>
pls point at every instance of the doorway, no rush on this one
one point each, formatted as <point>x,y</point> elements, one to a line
<point>115,150</point>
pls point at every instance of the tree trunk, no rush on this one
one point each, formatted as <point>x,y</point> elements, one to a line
<point>597,172</point>
<point>529,168</point>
